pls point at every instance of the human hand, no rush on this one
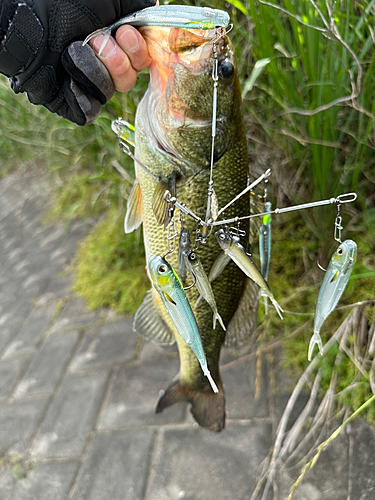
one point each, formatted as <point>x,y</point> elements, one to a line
<point>123,56</point>
<point>41,51</point>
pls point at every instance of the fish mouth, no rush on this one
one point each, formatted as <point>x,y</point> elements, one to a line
<point>179,104</point>
<point>178,50</point>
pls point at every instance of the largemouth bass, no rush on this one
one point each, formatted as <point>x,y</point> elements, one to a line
<point>173,140</point>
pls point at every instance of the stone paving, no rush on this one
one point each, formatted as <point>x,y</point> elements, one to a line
<point>78,393</point>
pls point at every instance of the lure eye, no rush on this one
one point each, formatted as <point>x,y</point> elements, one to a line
<point>222,236</point>
<point>340,251</point>
<point>193,256</point>
<point>162,269</point>
<point>225,70</point>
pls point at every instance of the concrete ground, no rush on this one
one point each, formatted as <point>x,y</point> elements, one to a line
<point>78,393</point>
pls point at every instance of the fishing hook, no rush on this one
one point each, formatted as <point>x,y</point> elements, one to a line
<point>221,32</point>
<point>191,286</point>
<point>319,265</point>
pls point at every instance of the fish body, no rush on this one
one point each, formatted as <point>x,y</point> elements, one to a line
<point>176,16</point>
<point>237,253</point>
<point>173,296</point>
<point>183,244</point>
<point>333,286</point>
<point>196,269</point>
<point>173,133</point>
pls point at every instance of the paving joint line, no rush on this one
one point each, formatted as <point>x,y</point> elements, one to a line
<point>90,437</point>
<point>153,459</point>
<point>179,425</point>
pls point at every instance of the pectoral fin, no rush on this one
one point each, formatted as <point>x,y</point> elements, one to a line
<point>149,324</point>
<point>134,211</point>
<point>159,205</point>
<point>169,298</point>
<point>335,277</point>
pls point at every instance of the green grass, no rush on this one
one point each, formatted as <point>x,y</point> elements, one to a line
<point>111,267</point>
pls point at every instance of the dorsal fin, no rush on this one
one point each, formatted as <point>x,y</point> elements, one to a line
<point>149,324</point>
<point>244,320</point>
<point>134,211</point>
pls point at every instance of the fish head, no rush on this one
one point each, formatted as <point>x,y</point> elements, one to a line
<point>191,258</point>
<point>345,253</point>
<point>345,256</point>
<point>161,273</point>
<point>223,239</point>
<point>179,99</point>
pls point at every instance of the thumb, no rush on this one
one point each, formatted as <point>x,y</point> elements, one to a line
<point>88,72</point>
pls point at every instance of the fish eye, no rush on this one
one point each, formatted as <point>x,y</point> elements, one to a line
<point>225,69</point>
<point>162,269</point>
<point>340,251</point>
<point>193,256</point>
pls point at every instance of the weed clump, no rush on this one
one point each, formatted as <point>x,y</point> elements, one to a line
<point>110,267</point>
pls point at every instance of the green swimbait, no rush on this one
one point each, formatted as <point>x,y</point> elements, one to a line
<point>173,296</point>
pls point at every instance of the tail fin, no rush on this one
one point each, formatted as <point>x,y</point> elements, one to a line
<point>315,339</point>
<point>218,317</point>
<point>277,306</point>
<point>207,408</point>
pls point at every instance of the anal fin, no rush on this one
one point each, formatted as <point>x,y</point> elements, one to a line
<point>134,210</point>
<point>148,323</point>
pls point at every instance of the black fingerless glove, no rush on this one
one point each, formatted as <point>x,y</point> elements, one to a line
<point>38,55</point>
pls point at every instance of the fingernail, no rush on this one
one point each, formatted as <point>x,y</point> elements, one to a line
<point>129,40</point>
<point>104,45</point>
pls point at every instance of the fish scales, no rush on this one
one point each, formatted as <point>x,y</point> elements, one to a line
<point>175,117</point>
